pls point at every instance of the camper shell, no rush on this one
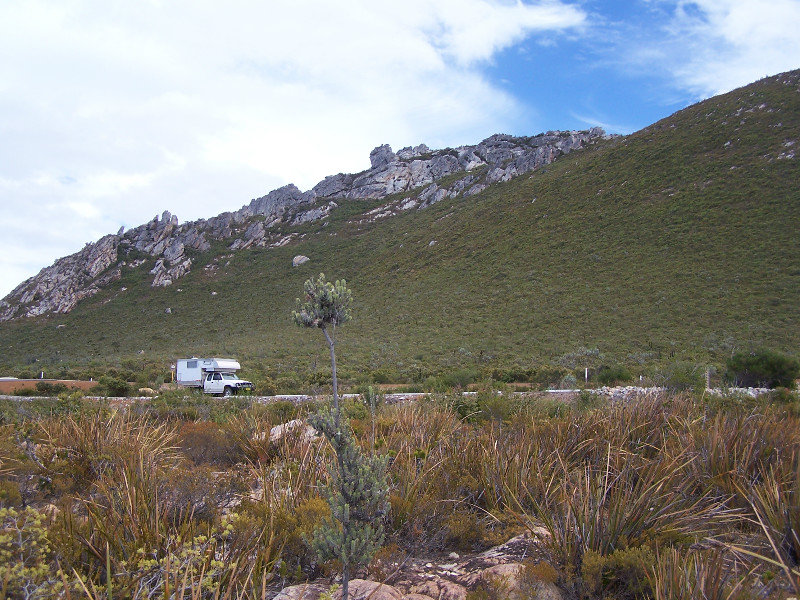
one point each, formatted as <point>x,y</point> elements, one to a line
<point>214,375</point>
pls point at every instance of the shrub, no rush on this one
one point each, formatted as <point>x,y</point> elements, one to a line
<point>25,556</point>
<point>548,376</point>
<point>434,384</point>
<point>288,383</point>
<point>682,376</point>
<point>623,574</point>
<point>281,411</point>
<point>568,382</point>
<point>460,378</point>
<point>766,368</point>
<point>45,388</point>
<point>613,374</point>
<point>384,376</point>
<point>208,442</point>
<point>463,530</point>
<point>466,407</point>
<point>266,387</point>
<point>782,395</point>
<point>107,385</point>
<point>587,400</point>
<point>494,406</point>
<point>9,493</point>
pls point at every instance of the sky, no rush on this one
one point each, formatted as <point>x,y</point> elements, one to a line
<point>113,111</point>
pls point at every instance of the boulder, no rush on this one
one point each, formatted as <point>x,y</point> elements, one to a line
<point>304,591</point>
<point>508,581</point>
<point>436,587</point>
<point>363,589</point>
<point>299,260</point>
<point>278,432</point>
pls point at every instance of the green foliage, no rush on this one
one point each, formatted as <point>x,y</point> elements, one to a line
<point>613,375</point>
<point>484,405</point>
<point>357,496</point>
<point>266,387</point>
<point>587,400</point>
<point>763,368</point>
<point>782,395</point>
<point>682,376</point>
<point>695,574</point>
<point>108,385</point>
<point>184,404</point>
<point>10,495</point>
<point>325,304</point>
<point>25,555</point>
<point>613,486</point>
<point>623,574</point>
<point>45,388</point>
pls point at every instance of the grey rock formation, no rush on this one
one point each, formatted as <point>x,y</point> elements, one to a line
<point>275,204</point>
<point>59,287</point>
<point>299,260</point>
<point>165,275</point>
<point>167,247</point>
<point>314,214</point>
<point>381,156</point>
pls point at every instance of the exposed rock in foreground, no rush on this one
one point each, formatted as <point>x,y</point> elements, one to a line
<point>169,250</point>
<point>499,569</point>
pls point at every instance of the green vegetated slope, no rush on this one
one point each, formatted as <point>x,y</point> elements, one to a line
<point>679,241</point>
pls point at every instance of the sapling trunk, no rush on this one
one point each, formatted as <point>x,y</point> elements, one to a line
<point>331,344</point>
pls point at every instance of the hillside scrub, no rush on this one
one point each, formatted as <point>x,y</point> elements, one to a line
<point>763,368</point>
<point>617,247</point>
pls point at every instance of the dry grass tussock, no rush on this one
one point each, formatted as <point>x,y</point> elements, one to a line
<point>660,497</point>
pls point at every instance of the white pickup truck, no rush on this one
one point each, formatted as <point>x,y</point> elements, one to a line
<point>214,375</point>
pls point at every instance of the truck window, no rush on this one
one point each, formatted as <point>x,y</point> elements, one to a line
<point>209,377</point>
<point>217,377</point>
<point>228,376</point>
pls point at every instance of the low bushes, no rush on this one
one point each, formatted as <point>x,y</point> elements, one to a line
<point>763,368</point>
<point>657,497</point>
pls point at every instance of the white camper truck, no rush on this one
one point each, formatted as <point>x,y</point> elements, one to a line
<point>214,375</point>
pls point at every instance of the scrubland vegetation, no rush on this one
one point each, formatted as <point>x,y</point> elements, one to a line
<point>616,248</point>
<point>671,496</point>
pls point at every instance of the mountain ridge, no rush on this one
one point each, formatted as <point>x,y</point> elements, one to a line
<point>59,287</point>
<point>677,242</point>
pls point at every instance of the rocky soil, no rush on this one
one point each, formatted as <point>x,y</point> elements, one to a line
<point>516,569</point>
<point>169,249</point>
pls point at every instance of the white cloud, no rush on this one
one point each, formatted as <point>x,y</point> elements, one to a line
<point>111,112</point>
<point>713,46</point>
<point>735,42</point>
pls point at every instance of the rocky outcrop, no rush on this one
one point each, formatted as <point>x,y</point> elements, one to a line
<point>167,248</point>
<point>497,573</point>
<point>59,287</point>
<point>495,159</point>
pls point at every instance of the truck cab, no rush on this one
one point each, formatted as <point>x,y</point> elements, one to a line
<point>226,384</point>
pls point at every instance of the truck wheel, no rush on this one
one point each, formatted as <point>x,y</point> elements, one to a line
<point>228,392</point>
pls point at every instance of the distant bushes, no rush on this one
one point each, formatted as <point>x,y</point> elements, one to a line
<point>763,368</point>
<point>682,376</point>
<point>108,385</point>
<point>613,375</point>
<point>43,388</point>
